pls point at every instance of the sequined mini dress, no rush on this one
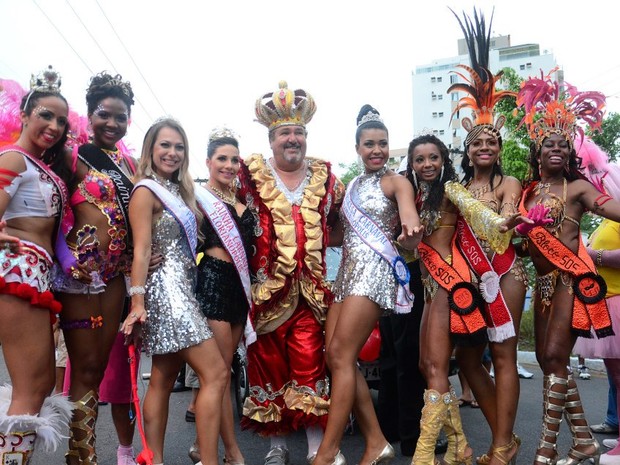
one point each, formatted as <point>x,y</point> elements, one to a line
<point>363,272</point>
<point>174,320</point>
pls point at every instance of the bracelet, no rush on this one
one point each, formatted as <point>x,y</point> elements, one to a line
<point>599,257</point>
<point>137,290</point>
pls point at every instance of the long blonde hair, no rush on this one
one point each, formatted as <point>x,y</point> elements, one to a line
<point>181,176</point>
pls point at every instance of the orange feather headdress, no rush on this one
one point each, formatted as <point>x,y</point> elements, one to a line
<point>479,87</point>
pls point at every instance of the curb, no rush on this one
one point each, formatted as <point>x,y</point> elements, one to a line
<point>593,364</point>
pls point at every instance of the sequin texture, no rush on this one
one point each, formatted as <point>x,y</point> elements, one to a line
<point>174,319</point>
<point>363,271</point>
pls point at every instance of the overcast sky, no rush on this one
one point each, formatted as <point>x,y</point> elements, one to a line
<point>206,62</point>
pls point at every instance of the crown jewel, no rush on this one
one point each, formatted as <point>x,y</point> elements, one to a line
<point>370,116</point>
<point>285,107</point>
<point>221,132</point>
<point>47,80</point>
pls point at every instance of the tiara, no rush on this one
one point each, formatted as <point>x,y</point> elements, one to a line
<point>285,107</point>
<point>220,132</point>
<point>370,116</point>
<point>117,81</point>
<point>48,80</point>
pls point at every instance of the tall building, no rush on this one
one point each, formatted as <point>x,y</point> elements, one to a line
<point>433,106</point>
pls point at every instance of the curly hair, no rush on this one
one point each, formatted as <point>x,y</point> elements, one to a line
<point>104,85</point>
<point>433,202</point>
<point>468,171</point>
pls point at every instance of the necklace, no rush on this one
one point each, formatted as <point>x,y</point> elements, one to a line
<point>543,187</point>
<point>227,199</point>
<point>168,184</point>
<point>115,155</point>
<point>478,192</point>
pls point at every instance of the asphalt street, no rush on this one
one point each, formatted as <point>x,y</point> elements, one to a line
<point>180,434</point>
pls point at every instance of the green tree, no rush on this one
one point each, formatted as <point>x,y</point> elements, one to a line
<point>609,137</point>
<point>352,171</point>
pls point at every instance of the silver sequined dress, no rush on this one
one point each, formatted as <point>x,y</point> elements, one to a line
<point>174,320</point>
<point>363,271</point>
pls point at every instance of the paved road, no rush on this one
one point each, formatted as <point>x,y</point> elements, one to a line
<point>180,434</point>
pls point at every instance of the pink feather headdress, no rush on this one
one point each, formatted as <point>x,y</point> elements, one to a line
<point>604,175</point>
<point>552,108</point>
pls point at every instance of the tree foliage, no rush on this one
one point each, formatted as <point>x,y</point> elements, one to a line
<point>352,171</point>
<point>609,137</point>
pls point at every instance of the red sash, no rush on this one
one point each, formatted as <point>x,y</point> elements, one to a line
<point>499,318</point>
<point>464,299</point>
<point>589,288</point>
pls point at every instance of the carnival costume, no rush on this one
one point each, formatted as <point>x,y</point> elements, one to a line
<point>174,320</point>
<point>219,291</point>
<point>363,270</point>
<point>551,110</point>
<point>288,386</point>
<point>35,192</point>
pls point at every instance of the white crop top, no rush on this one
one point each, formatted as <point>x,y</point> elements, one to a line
<point>33,193</point>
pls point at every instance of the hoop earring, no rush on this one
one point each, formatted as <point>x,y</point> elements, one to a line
<point>148,171</point>
<point>471,163</point>
<point>441,174</point>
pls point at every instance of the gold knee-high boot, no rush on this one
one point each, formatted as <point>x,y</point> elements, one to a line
<point>453,427</point>
<point>576,419</point>
<point>82,451</point>
<point>554,398</point>
<point>434,414</point>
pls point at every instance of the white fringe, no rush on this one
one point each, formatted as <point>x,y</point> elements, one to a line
<point>49,423</point>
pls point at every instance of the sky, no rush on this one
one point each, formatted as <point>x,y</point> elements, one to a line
<point>206,62</point>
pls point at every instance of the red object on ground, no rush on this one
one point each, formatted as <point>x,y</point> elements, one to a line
<point>145,457</point>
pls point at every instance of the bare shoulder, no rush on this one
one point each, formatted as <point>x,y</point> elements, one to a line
<point>13,161</point>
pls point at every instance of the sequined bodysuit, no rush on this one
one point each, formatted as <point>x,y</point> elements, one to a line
<point>363,271</point>
<point>174,320</point>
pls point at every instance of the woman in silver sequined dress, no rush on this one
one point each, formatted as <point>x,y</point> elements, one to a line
<point>366,286</point>
<point>163,213</point>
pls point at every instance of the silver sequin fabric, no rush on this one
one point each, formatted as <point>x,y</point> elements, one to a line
<point>174,320</point>
<point>363,272</point>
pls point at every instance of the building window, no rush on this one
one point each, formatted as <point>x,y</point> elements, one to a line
<point>439,79</point>
<point>441,114</point>
<point>440,97</point>
<point>454,96</point>
<point>433,79</point>
<point>521,67</point>
<point>434,114</point>
<point>435,132</point>
<point>453,79</point>
<point>433,96</point>
<point>528,65</point>
<point>441,132</point>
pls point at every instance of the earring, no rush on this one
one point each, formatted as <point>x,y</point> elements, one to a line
<point>441,174</point>
<point>415,180</point>
<point>148,171</point>
<point>470,163</point>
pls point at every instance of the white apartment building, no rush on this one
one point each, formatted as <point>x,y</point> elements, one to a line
<point>432,105</point>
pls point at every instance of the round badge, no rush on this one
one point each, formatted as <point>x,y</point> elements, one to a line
<point>401,272</point>
<point>589,287</point>
<point>463,298</point>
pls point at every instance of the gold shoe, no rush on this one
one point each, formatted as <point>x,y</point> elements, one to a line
<point>232,462</point>
<point>457,442</point>
<point>84,449</point>
<point>500,453</point>
<point>484,459</point>
<point>385,457</point>
<point>573,412</point>
<point>434,415</point>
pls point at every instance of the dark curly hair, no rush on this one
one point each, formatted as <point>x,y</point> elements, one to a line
<point>374,124</point>
<point>433,202</point>
<point>104,85</point>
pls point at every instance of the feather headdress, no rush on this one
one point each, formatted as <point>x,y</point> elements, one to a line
<point>479,87</point>
<point>552,108</point>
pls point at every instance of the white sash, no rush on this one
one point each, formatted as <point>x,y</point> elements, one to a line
<point>372,235</point>
<point>177,208</point>
<point>224,225</point>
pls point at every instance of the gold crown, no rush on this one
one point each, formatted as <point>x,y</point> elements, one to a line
<point>220,132</point>
<point>285,107</point>
<point>47,80</point>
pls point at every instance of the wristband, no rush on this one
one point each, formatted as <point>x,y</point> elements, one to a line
<point>137,290</point>
<point>599,257</point>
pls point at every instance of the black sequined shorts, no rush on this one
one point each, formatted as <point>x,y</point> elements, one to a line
<point>219,291</point>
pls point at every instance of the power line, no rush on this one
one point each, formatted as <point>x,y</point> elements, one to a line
<point>63,36</point>
<point>131,57</point>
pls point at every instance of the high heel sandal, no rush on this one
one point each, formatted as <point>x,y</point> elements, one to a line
<point>84,449</point>
<point>548,420</point>
<point>485,459</point>
<point>385,457</point>
<point>500,453</point>
<point>573,402</point>
<point>339,459</point>
<point>434,415</point>
<point>231,462</point>
<point>194,453</point>
<point>453,427</point>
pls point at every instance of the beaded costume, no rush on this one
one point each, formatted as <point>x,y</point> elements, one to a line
<point>363,272</point>
<point>174,320</point>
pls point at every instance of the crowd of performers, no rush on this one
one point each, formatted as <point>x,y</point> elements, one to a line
<point>108,245</point>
